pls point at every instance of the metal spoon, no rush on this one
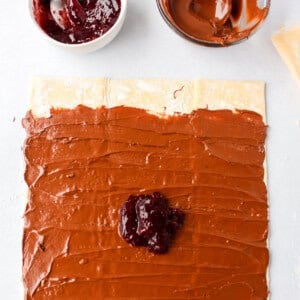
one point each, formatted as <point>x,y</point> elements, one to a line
<point>67,13</point>
<point>223,11</point>
<point>217,12</point>
<point>58,13</point>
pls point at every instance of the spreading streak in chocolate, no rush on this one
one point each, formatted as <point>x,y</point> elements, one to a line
<point>82,164</point>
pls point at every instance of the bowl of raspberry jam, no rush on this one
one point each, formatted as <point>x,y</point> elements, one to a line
<point>79,25</point>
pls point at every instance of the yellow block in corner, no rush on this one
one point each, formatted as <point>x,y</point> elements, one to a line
<point>287,43</point>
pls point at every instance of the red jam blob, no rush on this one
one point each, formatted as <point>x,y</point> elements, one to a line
<point>148,221</point>
<point>76,21</point>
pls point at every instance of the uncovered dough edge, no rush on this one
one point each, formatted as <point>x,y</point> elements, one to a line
<point>156,96</point>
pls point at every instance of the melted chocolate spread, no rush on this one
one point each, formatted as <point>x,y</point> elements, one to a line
<point>83,163</point>
<point>215,21</point>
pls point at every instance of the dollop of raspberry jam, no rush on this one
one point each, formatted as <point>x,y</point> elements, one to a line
<point>148,221</point>
<point>77,21</point>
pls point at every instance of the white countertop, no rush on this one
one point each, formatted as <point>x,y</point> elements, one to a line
<point>147,48</point>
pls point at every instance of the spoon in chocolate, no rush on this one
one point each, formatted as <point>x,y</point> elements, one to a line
<point>216,12</point>
<point>67,13</point>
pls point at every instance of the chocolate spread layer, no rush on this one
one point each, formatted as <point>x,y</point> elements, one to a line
<point>215,21</point>
<point>82,164</point>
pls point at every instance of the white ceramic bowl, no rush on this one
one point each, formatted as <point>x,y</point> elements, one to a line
<point>90,46</point>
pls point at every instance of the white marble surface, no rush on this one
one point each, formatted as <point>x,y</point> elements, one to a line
<point>147,48</point>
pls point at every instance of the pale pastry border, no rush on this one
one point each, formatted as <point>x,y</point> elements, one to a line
<point>287,43</point>
<point>162,97</point>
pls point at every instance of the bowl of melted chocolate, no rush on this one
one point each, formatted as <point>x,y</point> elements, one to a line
<point>214,22</point>
<point>79,25</point>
